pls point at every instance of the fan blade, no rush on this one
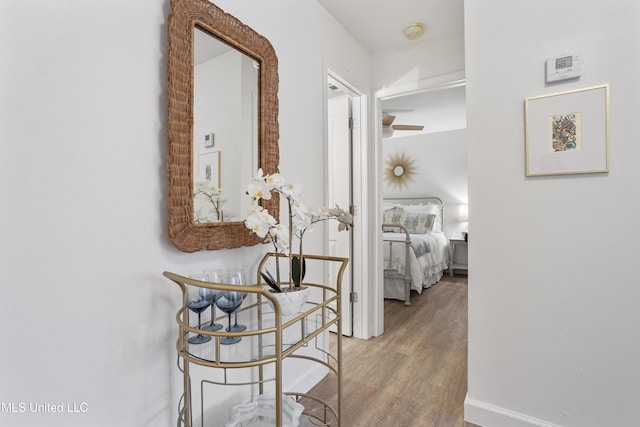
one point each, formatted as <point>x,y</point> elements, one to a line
<point>407,127</point>
<point>387,120</point>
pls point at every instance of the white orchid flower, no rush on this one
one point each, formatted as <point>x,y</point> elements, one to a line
<point>275,180</point>
<point>301,219</point>
<point>258,190</point>
<point>255,208</point>
<point>279,236</point>
<point>291,191</point>
<point>302,223</point>
<point>201,185</point>
<point>343,216</point>
<point>259,175</point>
<point>260,222</point>
<point>321,212</point>
<point>297,208</point>
<point>257,225</point>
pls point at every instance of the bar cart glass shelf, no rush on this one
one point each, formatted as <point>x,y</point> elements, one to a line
<point>269,340</point>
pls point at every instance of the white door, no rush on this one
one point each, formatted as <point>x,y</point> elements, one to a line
<point>339,193</point>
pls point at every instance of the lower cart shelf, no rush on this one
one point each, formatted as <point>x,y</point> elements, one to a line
<point>271,348</point>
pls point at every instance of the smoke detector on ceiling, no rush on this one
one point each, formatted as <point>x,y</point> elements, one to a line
<point>414,31</point>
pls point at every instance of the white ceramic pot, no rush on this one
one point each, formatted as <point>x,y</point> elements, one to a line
<point>292,301</point>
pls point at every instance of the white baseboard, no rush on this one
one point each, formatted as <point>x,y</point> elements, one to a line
<point>487,415</point>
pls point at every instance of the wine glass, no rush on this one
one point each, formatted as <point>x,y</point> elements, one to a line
<point>214,277</point>
<point>197,303</point>
<point>229,301</point>
<point>239,273</point>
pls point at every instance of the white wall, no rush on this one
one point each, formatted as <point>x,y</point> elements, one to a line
<point>425,59</point>
<point>440,161</point>
<point>553,290</point>
<point>85,314</point>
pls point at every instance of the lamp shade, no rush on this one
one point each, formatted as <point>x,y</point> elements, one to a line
<point>463,213</point>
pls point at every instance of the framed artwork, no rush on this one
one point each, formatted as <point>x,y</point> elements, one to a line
<point>568,132</point>
<point>209,167</point>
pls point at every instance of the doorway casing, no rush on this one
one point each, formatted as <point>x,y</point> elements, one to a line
<point>375,323</point>
<point>360,199</point>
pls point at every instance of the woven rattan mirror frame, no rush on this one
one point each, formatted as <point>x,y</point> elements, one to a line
<point>184,233</point>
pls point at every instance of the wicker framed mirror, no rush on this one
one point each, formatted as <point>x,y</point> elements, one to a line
<point>189,17</point>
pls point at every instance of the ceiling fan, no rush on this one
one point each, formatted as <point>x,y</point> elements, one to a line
<point>388,127</point>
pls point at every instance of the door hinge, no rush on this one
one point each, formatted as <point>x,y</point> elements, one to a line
<point>353,210</point>
<point>350,123</point>
<point>353,297</point>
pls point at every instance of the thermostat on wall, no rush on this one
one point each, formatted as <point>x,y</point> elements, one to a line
<point>563,67</point>
<point>209,140</point>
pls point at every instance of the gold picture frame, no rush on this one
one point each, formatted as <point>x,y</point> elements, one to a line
<point>568,132</point>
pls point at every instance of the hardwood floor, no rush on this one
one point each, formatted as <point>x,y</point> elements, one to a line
<point>415,374</point>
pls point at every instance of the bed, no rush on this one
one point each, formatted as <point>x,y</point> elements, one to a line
<point>415,248</point>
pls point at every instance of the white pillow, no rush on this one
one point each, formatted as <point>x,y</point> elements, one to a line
<point>430,208</point>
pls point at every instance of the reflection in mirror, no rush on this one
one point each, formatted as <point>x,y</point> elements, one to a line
<point>398,170</point>
<point>222,125</point>
<point>225,114</point>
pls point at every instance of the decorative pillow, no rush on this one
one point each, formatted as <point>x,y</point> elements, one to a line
<point>429,208</point>
<point>393,215</point>
<point>419,223</point>
<point>432,221</point>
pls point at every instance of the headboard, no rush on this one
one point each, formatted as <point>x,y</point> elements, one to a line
<point>417,201</point>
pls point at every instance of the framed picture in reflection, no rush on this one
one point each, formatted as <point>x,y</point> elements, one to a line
<point>209,167</point>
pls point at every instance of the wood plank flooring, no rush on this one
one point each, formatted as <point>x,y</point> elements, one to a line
<point>415,374</point>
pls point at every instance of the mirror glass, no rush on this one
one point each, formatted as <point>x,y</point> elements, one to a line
<point>225,124</point>
<point>222,125</point>
<point>398,170</point>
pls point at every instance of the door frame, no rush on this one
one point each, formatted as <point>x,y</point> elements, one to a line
<point>359,171</point>
<point>376,273</point>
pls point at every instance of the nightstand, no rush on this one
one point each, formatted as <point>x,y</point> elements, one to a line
<point>458,255</point>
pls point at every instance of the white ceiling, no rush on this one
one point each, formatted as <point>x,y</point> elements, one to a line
<point>379,26</point>
<point>438,110</point>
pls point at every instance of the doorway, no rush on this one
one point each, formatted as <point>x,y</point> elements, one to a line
<point>386,96</point>
<point>344,141</point>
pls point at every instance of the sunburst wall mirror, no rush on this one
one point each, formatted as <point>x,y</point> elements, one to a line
<point>399,170</point>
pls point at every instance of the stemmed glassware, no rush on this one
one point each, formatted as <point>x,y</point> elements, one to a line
<point>229,301</point>
<point>198,301</point>
<point>239,273</point>
<point>214,277</point>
